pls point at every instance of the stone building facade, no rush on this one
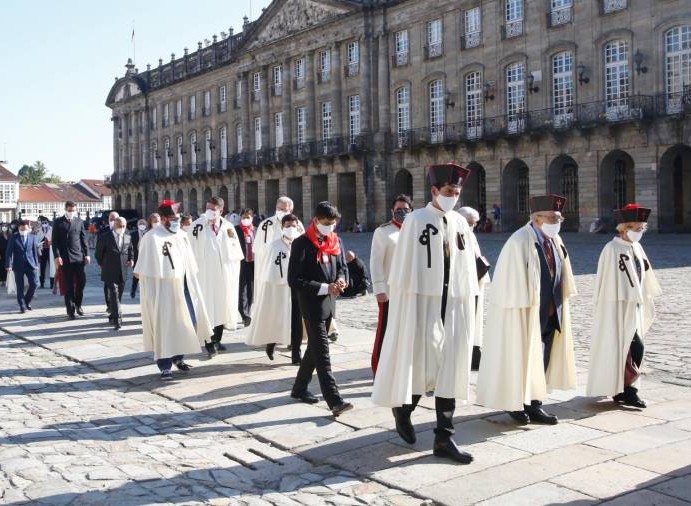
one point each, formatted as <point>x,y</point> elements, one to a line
<point>350,100</point>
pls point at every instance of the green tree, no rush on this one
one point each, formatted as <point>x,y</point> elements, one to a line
<point>37,174</point>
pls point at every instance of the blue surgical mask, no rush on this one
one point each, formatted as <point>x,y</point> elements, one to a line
<point>174,226</point>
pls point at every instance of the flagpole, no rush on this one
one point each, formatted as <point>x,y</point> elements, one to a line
<point>134,46</point>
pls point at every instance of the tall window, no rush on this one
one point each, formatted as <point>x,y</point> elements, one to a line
<point>154,155</point>
<point>178,110</point>
<point>324,65</point>
<point>515,97</point>
<point>617,84</point>
<point>166,114</point>
<point>353,58</point>
<point>222,97</point>
<point>354,117</point>
<point>193,107</point>
<point>277,79</point>
<point>401,47</point>
<point>403,115</point>
<point>207,149</point>
<point>677,66</point>
<point>278,129</point>
<point>472,27</point>
<point>561,12</point>
<point>327,123</point>
<point>207,103</point>
<point>513,16</point>
<point>167,155</point>
<point>141,122</point>
<point>193,151</point>
<point>301,120</point>
<point>238,139</point>
<point>436,110</point>
<point>562,88</point>
<point>238,94</point>
<point>434,38</point>
<point>256,86</point>
<point>154,119</point>
<point>300,73</point>
<point>473,105</point>
<point>257,133</point>
<point>142,155</point>
<point>179,153</point>
<point>223,144</point>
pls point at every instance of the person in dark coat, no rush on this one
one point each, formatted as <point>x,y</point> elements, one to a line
<point>114,253</point>
<point>22,258</point>
<point>246,232</point>
<point>72,254</point>
<point>4,237</point>
<point>357,272</point>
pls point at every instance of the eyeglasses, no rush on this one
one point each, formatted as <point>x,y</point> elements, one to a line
<point>552,219</point>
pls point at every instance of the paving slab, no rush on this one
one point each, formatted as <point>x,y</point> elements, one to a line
<point>645,438</point>
<point>673,459</point>
<point>549,437</point>
<point>646,496</point>
<point>541,493</point>
<point>677,487</point>
<point>618,421</point>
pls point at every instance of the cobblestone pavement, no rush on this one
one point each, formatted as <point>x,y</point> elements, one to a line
<point>84,418</point>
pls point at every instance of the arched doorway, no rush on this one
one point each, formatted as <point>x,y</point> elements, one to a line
<point>118,202</point>
<point>617,184</point>
<point>562,179</point>
<point>166,195</point>
<point>128,201</point>
<point>515,192</point>
<point>223,193</point>
<point>403,183</point>
<point>474,192</point>
<point>154,201</point>
<point>675,190</point>
<point>138,204</point>
<point>180,198</point>
<point>207,196</point>
<point>192,207</point>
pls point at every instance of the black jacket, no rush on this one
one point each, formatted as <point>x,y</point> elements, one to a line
<point>243,241</point>
<point>113,261</point>
<point>69,240</point>
<point>306,275</point>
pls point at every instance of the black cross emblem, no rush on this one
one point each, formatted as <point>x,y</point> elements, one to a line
<point>425,241</point>
<point>278,262</point>
<point>166,253</point>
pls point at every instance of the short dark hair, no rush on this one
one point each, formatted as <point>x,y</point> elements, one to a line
<point>326,210</point>
<point>69,203</point>
<point>24,222</point>
<point>247,211</point>
<point>186,217</point>
<point>165,211</point>
<point>217,201</point>
<point>402,197</point>
<point>287,218</point>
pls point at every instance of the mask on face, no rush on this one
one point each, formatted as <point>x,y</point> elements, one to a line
<point>156,224</point>
<point>111,224</point>
<point>446,203</point>
<point>290,233</point>
<point>45,226</point>
<point>280,214</point>
<point>4,229</point>
<point>325,229</point>
<point>119,231</point>
<point>551,229</point>
<point>246,222</point>
<point>141,228</point>
<point>211,214</point>
<point>187,228</point>
<point>69,214</point>
<point>634,236</point>
<point>24,233</point>
<point>400,214</point>
<point>174,226</point>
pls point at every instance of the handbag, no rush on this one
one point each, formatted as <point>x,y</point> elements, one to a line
<point>11,285</point>
<point>482,265</point>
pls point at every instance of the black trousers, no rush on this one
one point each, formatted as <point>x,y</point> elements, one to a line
<point>166,364</point>
<point>295,326</point>
<point>135,284</point>
<point>24,299</point>
<point>548,338</point>
<point>246,288</point>
<point>75,281</point>
<point>114,291</point>
<point>445,408</point>
<point>45,257</point>
<point>218,334</point>
<point>636,351</point>
<point>317,357</point>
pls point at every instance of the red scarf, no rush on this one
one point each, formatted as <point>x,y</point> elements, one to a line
<point>246,229</point>
<point>396,224</point>
<point>329,245</point>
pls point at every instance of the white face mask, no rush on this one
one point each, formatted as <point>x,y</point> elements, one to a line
<point>211,214</point>
<point>187,228</point>
<point>325,229</point>
<point>24,233</point>
<point>280,214</point>
<point>141,228</point>
<point>246,222</point>
<point>156,224</point>
<point>69,214</point>
<point>551,229</point>
<point>290,233</point>
<point>174,226</point>
<point>634,236</point>
<point>446,203</point>
<point>111,224</point>
<point>119,231</point>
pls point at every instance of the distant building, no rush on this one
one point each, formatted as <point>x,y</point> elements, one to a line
<point>48,199</point>
<point>98,188</point>
<point>9,189</point>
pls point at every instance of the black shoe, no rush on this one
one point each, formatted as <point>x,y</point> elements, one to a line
<point>333,337</point>
<point>183,366</point>
<point>404,426</point>
<point>629,397</point>
<point>539,415</point>
<point>166,375</point>
<point>270,350</point>
<point>71,316</point>
<point>297,361</point>
<point>475,361</point>
<point>80,311</point>
<point>117,323</point>
<point>22,310</point>
<point>341,408</point>
<point>132,295</point>
<point>306,397</point>
<point>246,320</point>
<point>220,347</point>
<point>210,349</point>
<point>448,450</point>
<point>520,416</point>
<point>28,307</point>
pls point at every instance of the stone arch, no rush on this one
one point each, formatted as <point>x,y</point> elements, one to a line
<point>128,201</point>
<point>192,208</point>
<point>617,184</point>
<point>474,192</point>
<point>223,193</point>
<point>154,201</point>
<point>207,195</point>
<point>139,204</point>
<point>166,195</point>
<point>515,193</point>
<point>562,179</point>
<point>403,183</point>
<point>180,198</point>
<point>118,202</point>
<point>675,190</point>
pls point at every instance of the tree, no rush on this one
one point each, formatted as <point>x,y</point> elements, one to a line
<point>37,174</point>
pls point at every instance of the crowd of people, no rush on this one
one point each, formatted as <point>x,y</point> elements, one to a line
<point>282,278</point>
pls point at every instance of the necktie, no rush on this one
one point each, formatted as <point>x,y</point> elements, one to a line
<point>549,256</point>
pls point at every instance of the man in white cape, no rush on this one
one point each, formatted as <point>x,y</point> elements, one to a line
<point>174,318</point>
<point>624,311</point>
<point>217,250</point>
<point>431,321</point>
<point>274,308</point>
<point>528,345</point>
<point>472,217</point>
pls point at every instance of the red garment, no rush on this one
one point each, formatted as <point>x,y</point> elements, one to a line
<point>248,233</point>
<point>328,246</point>
<point>396,224</point>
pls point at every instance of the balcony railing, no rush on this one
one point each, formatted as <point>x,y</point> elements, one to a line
<point>471,40</point>
<point>298,83</point>
<point>351,69</point>
<point>206,110</point>
<point>559,16</point>
<point>256,95</point>
<point>237,103</point>
<point>222,106</point>
<point>512,29</point>
<point>277,90</point>
<point>177,119</point>
<point>165,122</point>
<point>240,161</point>
<point>191,115</point>
<point>400,59</point>
<point>434,50</point>
<point>609,6</point>
<point>324,76</point>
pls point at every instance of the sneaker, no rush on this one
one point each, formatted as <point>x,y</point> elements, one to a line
<point>183,366</point>
<point>166,375</point>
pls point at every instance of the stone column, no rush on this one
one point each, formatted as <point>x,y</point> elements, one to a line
<point>310,103</point>
<point>383,90</point>
<point>336,89</point>
<point>246,108</point>
<point>287,103</point>
<point>264,107</point>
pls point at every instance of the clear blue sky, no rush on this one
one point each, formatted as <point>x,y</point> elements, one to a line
<point>60,58</point>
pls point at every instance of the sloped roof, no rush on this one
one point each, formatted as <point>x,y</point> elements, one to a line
<point>36,193</point>
<point>97,185</point>
<point>6,175</point>
<point>54,192</point>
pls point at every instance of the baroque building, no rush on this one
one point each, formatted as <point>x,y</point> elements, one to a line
<point>348,101</point>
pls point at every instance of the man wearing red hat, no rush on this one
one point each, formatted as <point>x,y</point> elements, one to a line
<point>528,346</point>
<point>623,298</point>
<point>174,317</point>
<point>429,335</point>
